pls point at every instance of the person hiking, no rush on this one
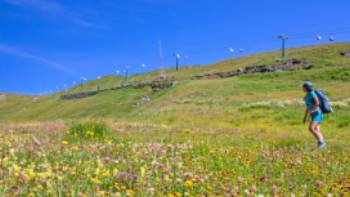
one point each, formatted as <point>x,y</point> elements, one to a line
<point>313,110</point>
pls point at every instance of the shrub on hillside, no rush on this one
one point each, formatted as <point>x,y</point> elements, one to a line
<point>89,130</point>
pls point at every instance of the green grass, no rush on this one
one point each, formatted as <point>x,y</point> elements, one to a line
<point>231,137</point>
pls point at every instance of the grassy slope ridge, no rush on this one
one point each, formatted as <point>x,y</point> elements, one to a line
<point>213,102</point>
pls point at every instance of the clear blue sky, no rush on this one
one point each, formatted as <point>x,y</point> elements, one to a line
<point>45,44</point>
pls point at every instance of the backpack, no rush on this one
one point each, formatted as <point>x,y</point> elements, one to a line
<point>325,105</point>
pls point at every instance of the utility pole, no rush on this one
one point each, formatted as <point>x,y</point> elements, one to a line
<point>177,61</point>
<point>283,38</point>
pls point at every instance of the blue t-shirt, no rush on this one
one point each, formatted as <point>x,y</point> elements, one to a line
<point>310,101</point>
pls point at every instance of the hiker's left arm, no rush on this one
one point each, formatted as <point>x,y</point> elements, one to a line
<point>317,103</point>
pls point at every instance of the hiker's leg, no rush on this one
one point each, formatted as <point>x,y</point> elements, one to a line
<point>318,131</point>
<point>314,128</point>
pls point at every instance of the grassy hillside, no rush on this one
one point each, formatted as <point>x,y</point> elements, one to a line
<point>239,136</point>
<point>195,102</point>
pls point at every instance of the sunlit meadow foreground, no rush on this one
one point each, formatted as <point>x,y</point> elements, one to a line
<point>93,159</point>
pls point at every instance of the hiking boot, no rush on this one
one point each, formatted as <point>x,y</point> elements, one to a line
<point>321,145</point>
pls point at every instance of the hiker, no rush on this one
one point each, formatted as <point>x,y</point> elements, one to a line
<point>313,109</point>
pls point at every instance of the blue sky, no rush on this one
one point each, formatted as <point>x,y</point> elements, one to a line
<point>45,44</point>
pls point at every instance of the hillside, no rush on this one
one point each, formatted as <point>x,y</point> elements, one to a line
<point>228,102</point>
<point>233,130</point>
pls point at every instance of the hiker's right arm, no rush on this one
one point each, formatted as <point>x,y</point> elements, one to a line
<point>305,115</point>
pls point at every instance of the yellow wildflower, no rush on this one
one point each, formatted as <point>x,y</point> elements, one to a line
<point>117,186</point>
<point>188,183</point>
<point>64,142</point>
<point>115,171</point>
<point>16,169</point>
<point>49,192</point>
<point>179,165</point>
<point>75,148</point>
<point>142,171</point>
<point>130,192</point>
<point>105,173</point>
<point>95,181</point>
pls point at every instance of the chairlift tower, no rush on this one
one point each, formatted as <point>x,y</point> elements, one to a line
<point>283,38</point>
<point>83,80</point>
<point>163,74</point>
<point>126,72</point>
<point>177,61</point>
<point>125,76</point>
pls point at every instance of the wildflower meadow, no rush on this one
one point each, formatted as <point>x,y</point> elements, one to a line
<point>107,159</point>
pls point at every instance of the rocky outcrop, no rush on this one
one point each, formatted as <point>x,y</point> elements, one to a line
<point>156,85</point>
<point>160,84</point>
<point>78,95</point>
<point>345,53</point>
<point>289,65</point>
